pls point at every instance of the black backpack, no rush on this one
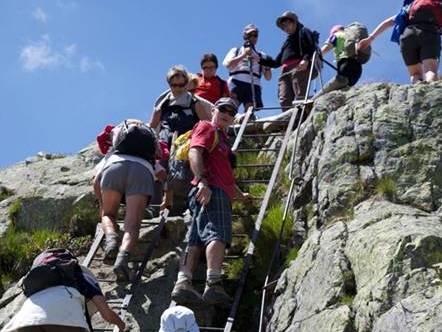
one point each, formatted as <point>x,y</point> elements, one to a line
<point>136,139</point>
<point>53,267</point>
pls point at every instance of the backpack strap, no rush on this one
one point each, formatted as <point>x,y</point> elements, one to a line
<point>215,141</point>
<point>222,85</point>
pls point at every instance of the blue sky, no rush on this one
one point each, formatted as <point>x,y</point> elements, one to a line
<point>69,67</point>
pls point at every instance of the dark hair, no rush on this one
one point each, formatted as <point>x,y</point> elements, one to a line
<point>209,57</point>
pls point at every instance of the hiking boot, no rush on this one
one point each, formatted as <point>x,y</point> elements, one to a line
<point>110,247</point>
<point>214,293</point>
<point>121,267</point>
<point>184,293</point>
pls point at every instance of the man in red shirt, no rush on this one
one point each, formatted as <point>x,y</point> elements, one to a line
<point>210,86</point>
<point>210,205</point>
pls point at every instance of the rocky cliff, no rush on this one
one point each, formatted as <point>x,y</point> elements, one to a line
<point>368,215</point>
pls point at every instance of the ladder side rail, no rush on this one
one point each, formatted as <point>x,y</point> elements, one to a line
<point>260,218</point>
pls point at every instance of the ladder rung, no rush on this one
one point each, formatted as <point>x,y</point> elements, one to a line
<point>270,284</point>
<point>258,150</point>
<point>255,165</point>
<point>253,181</point>
<point>264,135</point>
<point>270,121</point>
<point>231,257</point>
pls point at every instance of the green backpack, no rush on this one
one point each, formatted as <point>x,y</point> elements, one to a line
<point>354,32</point>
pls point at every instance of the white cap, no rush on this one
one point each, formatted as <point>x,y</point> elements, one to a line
<point>178,319</point>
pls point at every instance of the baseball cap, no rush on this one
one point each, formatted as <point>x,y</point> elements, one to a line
<point>178,319</point>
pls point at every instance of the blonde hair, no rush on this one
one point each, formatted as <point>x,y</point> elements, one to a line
<point>178,70</point>
<point>194,80</point>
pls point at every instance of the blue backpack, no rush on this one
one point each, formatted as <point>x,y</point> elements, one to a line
<point>400,21</point>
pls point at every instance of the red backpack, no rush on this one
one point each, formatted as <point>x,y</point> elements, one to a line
<point>435,6</point>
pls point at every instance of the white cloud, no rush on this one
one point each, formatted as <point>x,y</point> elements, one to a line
<point>70,50</point>
<point>40,15</point>
<point>42,55</point>
<point>87,64</point>
<point>66,4</point>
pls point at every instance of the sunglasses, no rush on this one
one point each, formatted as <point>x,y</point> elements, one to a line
<point>178,85</point>
<point>252,35</point>
<point>228,110</point>
<point>208,67</point>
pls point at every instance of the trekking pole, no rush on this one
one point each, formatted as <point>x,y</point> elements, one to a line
<point>186,251</point>
<point>326,62</point>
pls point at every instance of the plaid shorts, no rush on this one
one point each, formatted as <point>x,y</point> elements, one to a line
<point>214,222</point>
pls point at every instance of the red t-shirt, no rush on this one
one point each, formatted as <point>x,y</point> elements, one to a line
<point>211,88</point>
<point>217,168</point>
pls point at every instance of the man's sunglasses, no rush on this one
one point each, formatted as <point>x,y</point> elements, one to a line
<point>230,111</point>
<point>178,85</point>
<point>252,35</point>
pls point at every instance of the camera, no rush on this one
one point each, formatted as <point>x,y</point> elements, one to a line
<point>248,43</point>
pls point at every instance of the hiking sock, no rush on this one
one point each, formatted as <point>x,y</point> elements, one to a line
<point>122,258</point>
<point>183,276</point>
<point>213,276</point>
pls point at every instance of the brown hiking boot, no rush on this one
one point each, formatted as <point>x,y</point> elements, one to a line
<point>214,293</point>
<point>184,293</point>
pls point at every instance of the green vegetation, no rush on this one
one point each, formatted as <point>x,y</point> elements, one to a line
<point>291,256</point>
<point>5,193</point>
<point>18,249</point>
<point>347,300</point>
<point>386,187</point>
<point>233,270</point>
<point>434,258</point>
<point>14,210</point>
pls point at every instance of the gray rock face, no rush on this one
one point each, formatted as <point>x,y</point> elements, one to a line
<point>368,211</point>
<point>49,191</point>
<point>360,274</point>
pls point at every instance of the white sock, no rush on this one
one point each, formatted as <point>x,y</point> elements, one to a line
<point>213,275</point>
<point>184,276</point>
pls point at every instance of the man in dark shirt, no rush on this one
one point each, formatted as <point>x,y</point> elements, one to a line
<point>294,58</point>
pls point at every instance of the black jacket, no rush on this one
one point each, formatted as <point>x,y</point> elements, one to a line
<point>299,45</point>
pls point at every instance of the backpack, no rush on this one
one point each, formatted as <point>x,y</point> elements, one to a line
<point>53,267</point>
<point>182,145</point>
<point>136,139</point>
<point>400,22</point>
<point>354,32</point>
<point>175,118</point>
<point>433,6</point>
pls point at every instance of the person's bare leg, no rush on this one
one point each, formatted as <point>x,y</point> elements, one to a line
<point>183,292</point>
<point>214,292</point>
<point>430,68</point>
<point>415,72</point>
<point>189,261</point>
<point>110,204</point>
<point>215,254</point>
<point>135,206</point>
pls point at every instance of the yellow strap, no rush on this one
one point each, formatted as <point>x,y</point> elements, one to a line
<point>215,141</point>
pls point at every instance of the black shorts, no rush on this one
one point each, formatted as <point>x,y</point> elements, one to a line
<point>419,44</point>
<point>243,93</point>
<point>351,69</point>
